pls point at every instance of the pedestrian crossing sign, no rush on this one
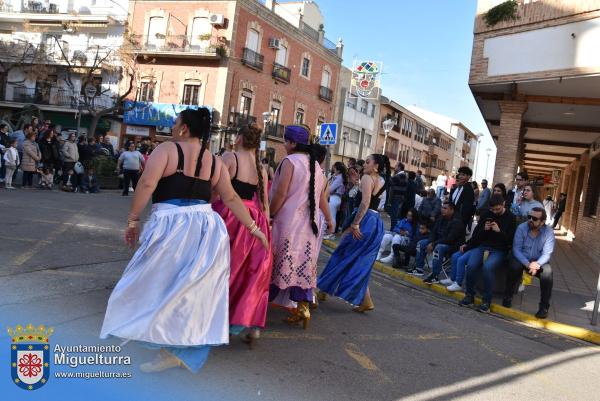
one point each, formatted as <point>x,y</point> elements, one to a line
<point>328,134</point>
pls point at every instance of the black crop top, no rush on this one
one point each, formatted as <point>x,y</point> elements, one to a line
<point>375,199</point>
<point>181,186</point>
<point>244,189</point>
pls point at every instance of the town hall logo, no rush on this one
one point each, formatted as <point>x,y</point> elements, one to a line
<point>30,355</point>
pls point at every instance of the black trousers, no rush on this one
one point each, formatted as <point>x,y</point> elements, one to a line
<point>28,178</point>
<point>514,273</point>
<point>130,176</point>
<point>557,217</point>
<point>408,250</point>
<point>66,167</point>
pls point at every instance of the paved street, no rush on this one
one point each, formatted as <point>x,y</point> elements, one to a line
<point>60,255</point>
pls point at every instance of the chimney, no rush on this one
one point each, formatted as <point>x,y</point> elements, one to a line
<point>321,33</point>
<point>340,47</point>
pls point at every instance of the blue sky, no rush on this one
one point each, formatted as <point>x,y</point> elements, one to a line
<point>425,47</point>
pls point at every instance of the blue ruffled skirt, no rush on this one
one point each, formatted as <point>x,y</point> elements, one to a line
<point>348,271</point>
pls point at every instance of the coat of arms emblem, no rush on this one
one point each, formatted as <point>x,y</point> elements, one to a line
<point>30,355</point>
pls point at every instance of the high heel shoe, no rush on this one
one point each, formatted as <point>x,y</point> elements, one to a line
<point>322,297</point>
<point>366,305</point>
<point>302,315</point>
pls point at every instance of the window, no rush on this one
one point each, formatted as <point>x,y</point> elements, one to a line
<point>305,67</point>
<point>201,28</point>
<point>326,79</point>
<point>372,112</point>
<point>354,135</point>
<point>281,56</point>
<point>407,126</point>
<point>351,102</point>
<point>191,94</point>
<point>593,189</point>
<point>156,31</point>
<point>299,116</point>
<point>368,139</point>
<point>146,92</point>
<point>253,40</point>
<point>421,133</point>
<point>364,105</point>
<point>246,102</point>
<point>275,112</point>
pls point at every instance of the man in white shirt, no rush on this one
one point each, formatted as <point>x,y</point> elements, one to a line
<point>440,184</point>
<point>132,163</point>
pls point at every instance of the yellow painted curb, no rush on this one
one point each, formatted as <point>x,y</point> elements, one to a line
<point>530,320</point>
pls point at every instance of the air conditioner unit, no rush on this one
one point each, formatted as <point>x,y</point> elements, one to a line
<point>273,43</point>
<point>216,19</point>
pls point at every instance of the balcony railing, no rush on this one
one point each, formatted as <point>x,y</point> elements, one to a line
<point>239,120</point>
<point>281,73</point>
<point>325,93</point>
<point>275,130</point>
<point>253,59</point>
<point>173,44</point>
<point>39,8</point>
<point>54,96</point>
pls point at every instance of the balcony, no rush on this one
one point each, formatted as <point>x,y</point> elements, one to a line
<point>275,130</point>
<point>53,96</point>
<point>325,94</point>
<point>253,59</point>
<point>238,120</point>
<point>178,46</point>
<point>281,73</point>
<point>37,7</point>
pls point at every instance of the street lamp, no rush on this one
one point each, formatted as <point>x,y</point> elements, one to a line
<point>345,138</point>
<point>479,137</point>
<point>488,151</point>
<point>387,126</point>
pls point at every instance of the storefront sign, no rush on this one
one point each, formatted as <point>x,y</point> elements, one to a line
<point>137,131</point>
<point>154,114</point>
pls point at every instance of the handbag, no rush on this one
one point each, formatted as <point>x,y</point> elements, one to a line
<point>78,168</point>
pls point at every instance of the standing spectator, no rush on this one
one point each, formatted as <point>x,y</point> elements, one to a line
<point>95,148</point>
<point>475,193</point>
<point>562,205</point>
<point>549,208</point>
<point>50,151</point>
<point>70,155</point>
<point>4,139</point>
<point>106,144</point>
<point>132,162</point>
<point>440,184</point>
<point>337,188</point>
<point>352,190</point>
<point>85,152</point>
<point>462,196</point>
<point>450,183</point>
<point>514,195</point>
<point>532,248</point>
<point>445,238</point>
<point>269,168</point>
<point>397,194</point>
<point>411,192</point>
<point>526,203</point>
<point>494,235</point>
<point>89,182</point>
<point>352,163</point>
<point>419,196</point>
<point>420,182</point>
<point>430,207</point>
<point>11,162</point>
<point>360,164</point>
<point>484,196</point>
<point>31,157</point>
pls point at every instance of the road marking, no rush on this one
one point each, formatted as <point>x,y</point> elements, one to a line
<point>398,336</point>
<point>363,360</point>
<point>285,336</point>
<point>74,224</point>
<point>24,257</point>
<point>21,239</point>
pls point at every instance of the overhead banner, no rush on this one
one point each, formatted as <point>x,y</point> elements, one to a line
<point>154,114</point>
<point>365,80</point>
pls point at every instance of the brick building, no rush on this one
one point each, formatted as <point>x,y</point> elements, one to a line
<point>242,59</point>
<point>536,80</point>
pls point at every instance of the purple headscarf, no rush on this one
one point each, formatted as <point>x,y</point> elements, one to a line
<point>296,133</point>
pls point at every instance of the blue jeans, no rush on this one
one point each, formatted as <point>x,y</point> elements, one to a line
<point>475,263</point>
<point>421,253</point>
<point>439,192</point>
<point>439,253</point>
<point>459,265</point>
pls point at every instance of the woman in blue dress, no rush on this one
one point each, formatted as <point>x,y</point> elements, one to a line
<point>173,295</point>
<point>348,271</point>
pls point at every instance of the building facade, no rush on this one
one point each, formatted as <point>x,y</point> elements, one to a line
<point>536,80</point>
<point>55,56</point>
<point>239,58</point>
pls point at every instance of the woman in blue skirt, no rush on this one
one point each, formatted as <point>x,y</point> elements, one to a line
<point>349,268</point>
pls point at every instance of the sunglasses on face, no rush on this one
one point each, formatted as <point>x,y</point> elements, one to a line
<point>533,218</point>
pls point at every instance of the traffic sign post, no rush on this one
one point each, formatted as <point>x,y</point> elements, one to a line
<point>328,134</point>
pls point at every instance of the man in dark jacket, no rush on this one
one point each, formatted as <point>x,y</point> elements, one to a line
<point>493,235</point>
<point>562,204</point>
<point>463,196</point>
<point>447,235</point>
<point>430,207</point>
<point>397,194</point>
<point>411,192</point>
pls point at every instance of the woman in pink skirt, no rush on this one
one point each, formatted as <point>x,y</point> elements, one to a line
<point>297,190</point>
<point>250,262</point>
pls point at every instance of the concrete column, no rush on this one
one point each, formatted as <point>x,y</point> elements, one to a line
<point>508,155</point>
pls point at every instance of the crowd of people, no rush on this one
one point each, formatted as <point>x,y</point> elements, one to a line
<point>49,161</point>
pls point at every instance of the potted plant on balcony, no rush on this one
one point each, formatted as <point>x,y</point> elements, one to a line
<point>105,171</point>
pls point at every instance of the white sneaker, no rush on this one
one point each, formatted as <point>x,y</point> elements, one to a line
<point>446,281</point>
<point>454,287</point>
<point>163,361</point>
<point>11,187</point>
<point>379,255</point>
<point>521,288</point>
<point>388,259</point>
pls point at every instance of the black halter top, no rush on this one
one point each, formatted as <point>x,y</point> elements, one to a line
<point>181,186</point>
<point>374,201</point>
<point>244,189</point>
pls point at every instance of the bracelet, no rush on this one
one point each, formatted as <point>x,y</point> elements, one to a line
<point>132,223</point>
<point>252,227</point>
<point>355,226</point>
<point>255,229</point>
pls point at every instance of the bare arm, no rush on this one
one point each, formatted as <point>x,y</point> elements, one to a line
<point>265,198</point>
<point>157,163</point>
<point>281,184</point>
<point>324,206</point>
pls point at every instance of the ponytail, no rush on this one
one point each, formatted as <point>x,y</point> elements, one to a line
<point>312,160</point>
<point>261,186</point>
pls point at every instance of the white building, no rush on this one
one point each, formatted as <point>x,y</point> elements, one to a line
<point>58,41</point>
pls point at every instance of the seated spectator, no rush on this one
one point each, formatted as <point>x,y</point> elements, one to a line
<point>447,235</point>
<point>533,245</point>
<point>494,235</point>
<point>430,206</point>
<point>70,184</point>
<point>400,235</point>
<point>411,248</point>
<point>526,202</point>
<point>46,179</point>
<point>89,183</point>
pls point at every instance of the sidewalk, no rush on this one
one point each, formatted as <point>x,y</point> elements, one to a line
<point>573,294</point>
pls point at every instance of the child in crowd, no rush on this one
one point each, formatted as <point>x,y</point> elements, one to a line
<point>89,183</point>
<point>11,162</point>
<point>411,248</point>
<point>46,179</point>
<point>400,235</point>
